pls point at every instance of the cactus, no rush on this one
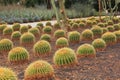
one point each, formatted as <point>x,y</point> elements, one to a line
<point>18,55</point>
<point>47,30</point>
<point>110,28</point>
<point>46,37</point>
<point>89,23</point>
<point>48,24</point>
<point>109,38</point>
<point>7,74</point>
<point>5,45</point>
<point>39,70</point>
<point>87,35</point>
<point>86,50</point>
<point>2,27</point>
<point>27,39</point>
<point>116,26</point>
<point>74,37</point>
<point>64,57</point>
<point>81,25</point>
<point>59,33</point>
<point>23,29</point>
<point>56,26</point>
<point>62,42</point>
<point>42,48</point>
<point>105,30</point>
<point>16,26</point>
<point>7,31</point>
<point>97,31</point>
<point>74,26</point>
<point>16,35</point>
<point>117,33</point>
<point>110,22</point>
<point>99,44</point>
<point>101,25</point>
<point>40,25</point>
<point>34,31</point>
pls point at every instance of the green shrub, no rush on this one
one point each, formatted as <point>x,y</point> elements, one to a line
<point>5,45</point>
<point>86,50</point>
<point>59,33</point>
<point>40,70</point>
<point>109,38</point>
<point>87,35</point>
<point>105,30</point>
<point>62,42</point>
<point>23,29</point>
<point>74,37</point>
<point>18,55</point>
<point>64,57</point>
<point>46,37</point>
<point>47,30</point>
<point>2,27</point>
<point>7,74</point>
<point>97,31</point>
<point>116,26</point>
<point>16,26</point>
<point>7,31</point>
<point>110,28</point>
<point>117,33</point>
<point>34,31</point>
<point>99,44</point>
<point>75,26</point>
<point>42,48</point>
<point>16,35</point>
<point>27,39</point>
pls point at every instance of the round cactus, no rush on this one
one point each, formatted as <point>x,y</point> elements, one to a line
<point>74,37</point>
<point>110,22</point>
<point>82,25</point>
<point>16,26</point>
<point>7,31</point>
<point>62,42</point>
<point>101,25</point>
<point>23,29</point>
<point>86,50</point>
<point>18,55</point>
<point>34,31</point>
<point>2,27</point>
<point>105,30</point>
<point>42,48</point>
<point>97,31</point>
<point>40,24</point>
<point>99,44</point>
<point>39,70</point>
<point>59,33</point>
<point>48,24</point>
<point>116,26</point>
<point>27,39</point>
<point>7,74</point>
<point>116,20</point>
<point>16,35</point>
<point>46,37</point>
<point>56,26</point>
<point>75,26</point>
<point>110,28</point>
<point>109,38</point>
<point>65,57</point>
<point>117,33</point>
<point>89,23</point>
<point>5,45</point>
<point>47,30</point>
<point>87,35</point>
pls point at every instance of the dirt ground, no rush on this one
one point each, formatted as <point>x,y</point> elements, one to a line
<point>106,66</point>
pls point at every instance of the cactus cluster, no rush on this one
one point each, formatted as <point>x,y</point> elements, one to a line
<point>18,55</point>
<point>7,31</point>
<point>5,45</point>
<point>86,50</point>
<point>27,39</point>
<point>39,70</point>
<point>16,26</point>
<point>45,37</point>
<point>34,31</point>
<point>109,38</point>
<point>64,57</point>
<point>42,48</point>
<point>23,29</point>
<point>47,29</point>
<point>59,33</point>
<point>74,37</point>
<point>16,35</point>
<point>99,44</point>
<point>87,35</point>
<point>7,74</point>
<point>62,42</point>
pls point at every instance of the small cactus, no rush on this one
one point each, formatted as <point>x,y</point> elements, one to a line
<point>48,24</point>
<point>23,29</point>
<point>39,70</point>
<point>34,31</point>
<point>110,22</point>
<point>42,48</point>
<point>117,33</point>
<point>86,50</point>
<point>99,44</point>
<point>7,74</point>
<point>62,42</point>
<point>116,26</point>
<point>27,39</point>
<point>16,26</point>
<point>16,35</point>
<point>110,28</point>
<point>75,26</point>
<point>18,55</point>
<point>5,45</point>
<point>65,57</point>
<point>59,33</point>
<point>2,27</point>
<point>46,37</point>
<point>74,37</point>
<point>105,30</point>
<point>56,26</point>
<point>7,31</point>
<point>82,25</point>
<point>109,38</point>
<point>89,23</point>
<point>40,24</point>
<point>47,30</point>
<point>101,25</point>
<point>87,35</point>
